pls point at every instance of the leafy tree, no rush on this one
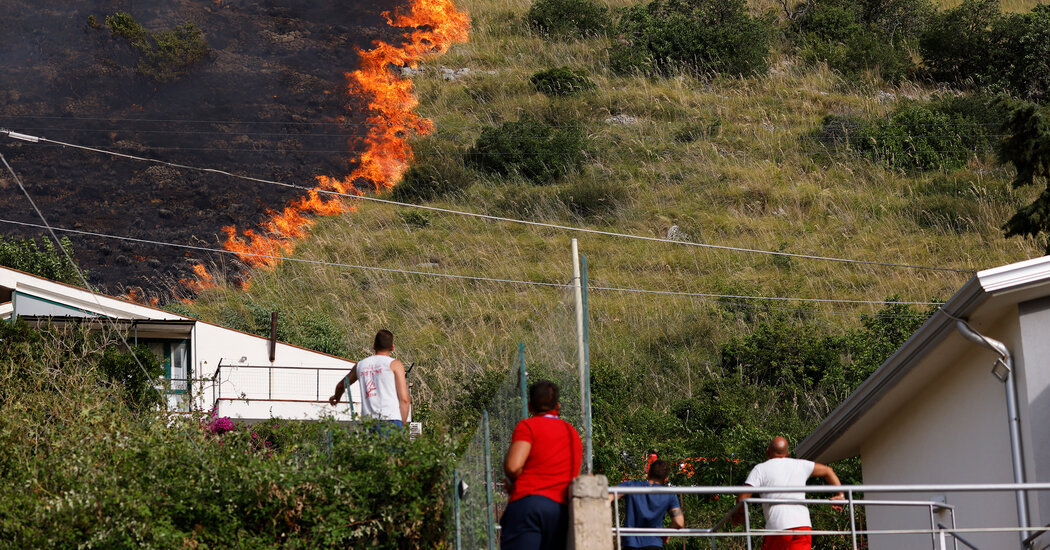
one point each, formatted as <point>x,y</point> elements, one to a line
<point>45,259</point>
<point>1028,149</point>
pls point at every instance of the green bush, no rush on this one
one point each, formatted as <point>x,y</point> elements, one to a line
<point>164,56</point>
<point>854,37</point>
<point>569,17</point>
<point>561,81</point>
<point>696,36</point>
<point>45,260</point>
<point>533,149</point>
<point>942,134</point>
<point>975,44</point>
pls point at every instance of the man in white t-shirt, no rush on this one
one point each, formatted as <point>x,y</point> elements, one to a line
<point>782,471</point>
<point>384,389</point>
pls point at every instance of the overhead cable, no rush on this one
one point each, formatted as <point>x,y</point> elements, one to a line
<point>448,275</point>
<point>36,139</point>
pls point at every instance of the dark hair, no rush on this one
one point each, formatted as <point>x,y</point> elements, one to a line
<point>659,470</point>
<point>543,396</point>
<point>384,341</point>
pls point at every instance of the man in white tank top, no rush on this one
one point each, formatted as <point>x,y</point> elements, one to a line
<point>384,389</point>
<point>782,471</point>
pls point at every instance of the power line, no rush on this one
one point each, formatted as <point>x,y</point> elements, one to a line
<point>37,139</point>
<point>449,275</point>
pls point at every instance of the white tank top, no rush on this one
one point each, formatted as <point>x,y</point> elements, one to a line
<point>378,388</point>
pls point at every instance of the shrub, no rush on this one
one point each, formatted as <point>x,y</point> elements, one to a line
<point>561,81</point>
<point>44,260</point>
<point>854,36</point>
<point>958,45</point>
<point>569,17</point>
<point>941,134</point>
<point>415,218</point>
<point>698,36</point>
<point>976,44</point>
<point>431,178</point>
<point>537,151</point>
<point>163,56</point>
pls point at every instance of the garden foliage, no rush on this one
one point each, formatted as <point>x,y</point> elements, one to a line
<point>537,151</point>
<point>693,36</point>
<point>84,467</point>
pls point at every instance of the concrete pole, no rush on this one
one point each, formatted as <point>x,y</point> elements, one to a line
<point>581,348</point>
<point>590,514</point>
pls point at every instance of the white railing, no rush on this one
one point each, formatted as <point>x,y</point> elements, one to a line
<point>942,537</point>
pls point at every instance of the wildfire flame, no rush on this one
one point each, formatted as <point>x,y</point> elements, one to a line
<point>436,26</point>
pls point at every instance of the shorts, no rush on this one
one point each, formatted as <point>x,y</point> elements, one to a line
<point>534,522</point>
<point>801,541</point>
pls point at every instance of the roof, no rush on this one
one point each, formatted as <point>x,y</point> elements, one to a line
<point>111,306</point>
<point>983,299</point>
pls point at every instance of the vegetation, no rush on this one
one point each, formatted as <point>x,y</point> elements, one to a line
<point>977,45</point>
<point>569,17</point>
<point>1028,150</point>
<point>561,81</point>
<point>45,260</point>
<point>695,36</point>
<point>86,462</point>
<point>940,134</point>
<point>533,149</point>
<point>164,56</point>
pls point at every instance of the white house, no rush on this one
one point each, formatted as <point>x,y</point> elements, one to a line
<point>936,413</point>
<point>206,366</point>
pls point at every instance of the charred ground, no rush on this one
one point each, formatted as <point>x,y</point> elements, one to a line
<point>267,101</point>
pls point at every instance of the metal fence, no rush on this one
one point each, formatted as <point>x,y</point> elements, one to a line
<point>942,536</point>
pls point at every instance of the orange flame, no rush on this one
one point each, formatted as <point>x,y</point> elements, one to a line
<point>437,25</point>
<point>203,280</point>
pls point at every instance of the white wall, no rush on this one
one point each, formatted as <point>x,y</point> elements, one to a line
<point>257,386</point>
<point>1032,360</point>
<point>955,432</point>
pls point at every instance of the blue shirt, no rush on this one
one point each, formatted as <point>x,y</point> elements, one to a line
<point>646,511</point>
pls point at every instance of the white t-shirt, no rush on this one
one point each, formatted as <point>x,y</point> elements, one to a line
<point>783,472</point>
<point>378,388</point>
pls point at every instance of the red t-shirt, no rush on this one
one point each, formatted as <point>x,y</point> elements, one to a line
<point>554,459</point>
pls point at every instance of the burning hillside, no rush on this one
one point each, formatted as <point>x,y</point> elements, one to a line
<point>271,99</point>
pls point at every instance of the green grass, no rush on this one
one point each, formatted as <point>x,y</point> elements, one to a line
<point>757,184</point>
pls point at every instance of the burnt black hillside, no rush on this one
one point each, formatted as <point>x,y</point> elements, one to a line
<point>268,100</point>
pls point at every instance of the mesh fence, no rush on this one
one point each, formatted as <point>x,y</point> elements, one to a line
<point>480,495</point>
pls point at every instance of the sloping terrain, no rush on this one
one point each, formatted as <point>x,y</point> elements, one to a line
<point>267,100</point>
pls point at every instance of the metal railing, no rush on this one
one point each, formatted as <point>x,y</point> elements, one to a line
<point>277,384</point>
<point>939,533</point>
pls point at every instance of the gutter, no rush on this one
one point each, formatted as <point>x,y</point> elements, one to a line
<point>1006,363</point>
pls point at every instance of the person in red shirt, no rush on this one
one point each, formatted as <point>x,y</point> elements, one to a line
<point>544,457</point>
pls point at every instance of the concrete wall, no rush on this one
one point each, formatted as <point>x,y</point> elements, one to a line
<point>955,432</point>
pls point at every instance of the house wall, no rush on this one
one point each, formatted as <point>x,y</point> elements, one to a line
<point>1032,361</point>
<point>251,389</point>
<point>954,432</point>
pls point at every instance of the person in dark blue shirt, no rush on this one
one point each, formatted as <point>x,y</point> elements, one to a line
<point>649,510</point>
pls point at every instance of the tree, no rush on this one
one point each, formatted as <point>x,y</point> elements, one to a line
<point>1028,149</point>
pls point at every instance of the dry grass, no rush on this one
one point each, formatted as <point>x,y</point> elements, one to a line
<point>759,184</point>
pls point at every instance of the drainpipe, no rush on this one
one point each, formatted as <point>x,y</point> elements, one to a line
<point>1010,383</point>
